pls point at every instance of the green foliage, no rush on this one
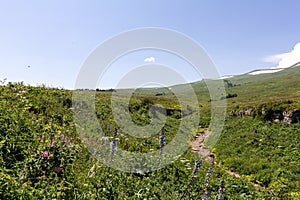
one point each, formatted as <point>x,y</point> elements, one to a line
<point>266,110</point>
<point>263,153</point>
<point>228,96</point>
<point>42,156</point>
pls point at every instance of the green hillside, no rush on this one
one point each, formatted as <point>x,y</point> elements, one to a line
<point>43,157</point>
<point>262,88</point>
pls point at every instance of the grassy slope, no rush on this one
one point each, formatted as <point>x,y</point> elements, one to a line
<point>264,88</point>
<point>262,152</point>
<point>256,89</point>
<point>38,120</point>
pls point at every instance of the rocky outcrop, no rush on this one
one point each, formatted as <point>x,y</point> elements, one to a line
<point>243,112</point>
<point>275,116</point>
<point>291,116</point>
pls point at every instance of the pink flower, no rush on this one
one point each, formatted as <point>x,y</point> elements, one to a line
<point>58,170</point>
<point>45,154</point>
<point>52,144</point>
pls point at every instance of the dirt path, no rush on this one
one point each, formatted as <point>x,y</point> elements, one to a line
<point>198,144</point>
<point>198,147</point>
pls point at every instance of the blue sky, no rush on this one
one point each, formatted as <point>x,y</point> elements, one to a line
<point>55,37</point>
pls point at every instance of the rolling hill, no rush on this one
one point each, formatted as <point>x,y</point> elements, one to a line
<point>43,154</point>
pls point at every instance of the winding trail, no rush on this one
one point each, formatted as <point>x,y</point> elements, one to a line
<point>198,147</point>
<point>198,144</point>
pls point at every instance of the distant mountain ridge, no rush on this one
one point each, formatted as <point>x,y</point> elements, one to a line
<point>263,71</point>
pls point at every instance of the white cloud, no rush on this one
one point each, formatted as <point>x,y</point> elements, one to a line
<point>149,59</point>
<point>285,60</point>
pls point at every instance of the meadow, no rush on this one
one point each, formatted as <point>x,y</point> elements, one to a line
<point>43,156</point>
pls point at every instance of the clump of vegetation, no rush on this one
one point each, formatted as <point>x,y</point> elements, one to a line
<point>228,96</point>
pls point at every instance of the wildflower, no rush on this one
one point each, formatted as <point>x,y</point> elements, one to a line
<point>206,195</point>
<point>45,154</point>
<point>115,132</point>
<point>113,144</point>
<point>209,173</point>
<point>212,158</point>
<point>67,141</point>
<point>220,194</point>
<point>210,170</point>
<point>162,143</point>
<point>113,148</point>
<point>58,170</point>
<point>162,138</point>
<point>52,144</point>
<point>197,166</point>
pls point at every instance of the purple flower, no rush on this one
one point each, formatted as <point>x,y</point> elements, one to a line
<point>197,165</point>
<point>114,144</point>
<point>212,158</point>
<point>206,195</point>
<point>113,147</point>
<point>162,138</point>
<point>220,194</point>
<point>45,154</point>
<point>115,133</point>
<point>58,170</point>
<point>209,173</point>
